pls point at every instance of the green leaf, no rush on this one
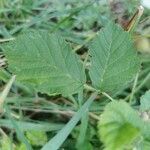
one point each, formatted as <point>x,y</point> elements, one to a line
<point>61,136</point>
<point>36,138</point>
<point>145,101</point>
<point>119,126</point>
<point>5,143</point>
<point>114,61</point>
<point>45,62</point>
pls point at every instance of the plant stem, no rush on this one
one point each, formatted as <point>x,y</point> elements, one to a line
<point>6,40</point>
<point>92,115</point>
<point>140,86</point>
<point>106,95</point>
<point>144,81</point>
<point>80,98</point>
<point>90,88</point>
<point>74,101</point>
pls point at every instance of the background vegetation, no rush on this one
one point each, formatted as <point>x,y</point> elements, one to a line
<point>40,116</point>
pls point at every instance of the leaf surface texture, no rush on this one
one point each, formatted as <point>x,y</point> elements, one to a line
<point>46,62</point>
<point>114,61</point>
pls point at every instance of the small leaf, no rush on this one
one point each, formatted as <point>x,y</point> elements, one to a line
<point>36,138</point>
<point>119,126</point>
<point>45,62</point>
<point>5,143</point>
<point>114,60</point>
<point>145,101</point>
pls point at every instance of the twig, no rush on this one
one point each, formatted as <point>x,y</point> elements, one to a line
<point>109,97</point>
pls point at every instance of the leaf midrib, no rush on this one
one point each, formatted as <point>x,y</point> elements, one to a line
<point>107,60</point>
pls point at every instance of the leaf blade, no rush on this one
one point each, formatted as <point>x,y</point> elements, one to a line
<point>114,61</point>
<point>46,62</point>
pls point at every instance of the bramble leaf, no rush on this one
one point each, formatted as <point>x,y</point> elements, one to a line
<point>145,101</point>
<point>114,60</point>
<point>119,126</point>
<point>45,62</point>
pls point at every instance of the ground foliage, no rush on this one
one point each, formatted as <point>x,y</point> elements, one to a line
<point>82,82</point>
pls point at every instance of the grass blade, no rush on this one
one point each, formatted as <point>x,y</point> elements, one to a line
<point>58,140</point>
<point>20,135</point>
